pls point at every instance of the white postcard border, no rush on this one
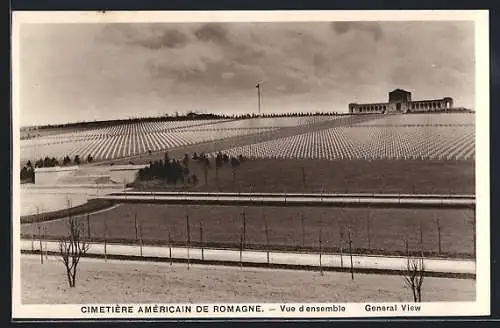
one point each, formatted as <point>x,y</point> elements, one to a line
<point>482,304</point>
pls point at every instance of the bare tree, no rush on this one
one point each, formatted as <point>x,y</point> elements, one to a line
<point>368,232</point>
<point>45,235</point>
<point>135,225</point>
<point>413,274</point>
<point>302,227</point>
<point>140,238</point>
<point>438,224</point>
<point>201,241</point>
<point>241,251</point>
<point>105,241</point>
<point>170,247</point>
<point>341,235</point>
<point>243,227</point>
<point>350,250</point>
<point>188,239</point>
<point>320,250</point>
<point>71,249</point>
<point>266,232</point>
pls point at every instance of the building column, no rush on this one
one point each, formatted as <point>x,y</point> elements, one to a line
<point>450,104</point>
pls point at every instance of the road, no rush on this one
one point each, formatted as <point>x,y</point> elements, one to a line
<point>366,262</point>
<point>326,200</point>
<point>130,191</point>
<point>47,198</point>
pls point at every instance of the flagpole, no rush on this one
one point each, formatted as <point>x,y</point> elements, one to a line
<point>259,89</point>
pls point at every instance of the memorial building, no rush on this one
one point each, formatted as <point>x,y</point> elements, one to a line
<point>400,102</point>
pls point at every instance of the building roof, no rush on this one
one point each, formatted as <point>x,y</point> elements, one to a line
<point>430,100</point>
<point>399,90</point>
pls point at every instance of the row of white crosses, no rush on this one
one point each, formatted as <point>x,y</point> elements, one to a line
<point>264,123</point>
<point>368,143</point>
<point>133,143</point>
<point>431,140</point>
<point>132,139</point>
<point>424,119</point>
<point>116,130</point>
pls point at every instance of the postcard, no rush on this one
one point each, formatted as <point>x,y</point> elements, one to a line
<point>250,164</point>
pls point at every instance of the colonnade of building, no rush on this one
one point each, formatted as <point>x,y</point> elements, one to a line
<point>412,106</point>
<point>368,108</point>
<point>431,105</point>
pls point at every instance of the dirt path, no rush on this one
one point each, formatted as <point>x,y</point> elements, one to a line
<point>361,263</point>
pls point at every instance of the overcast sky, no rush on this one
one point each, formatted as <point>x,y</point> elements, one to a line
<point>85,72</point>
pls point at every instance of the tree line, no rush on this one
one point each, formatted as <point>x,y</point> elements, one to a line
<point>28,170</point>
<point>187,117</point>
<point>96,124</point>
<point>171,170</point>
<point>174,171</point>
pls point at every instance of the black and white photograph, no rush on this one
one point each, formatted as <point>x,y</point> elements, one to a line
<point>250,164</point>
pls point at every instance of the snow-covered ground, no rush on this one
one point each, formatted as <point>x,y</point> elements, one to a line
<point>147,282</point>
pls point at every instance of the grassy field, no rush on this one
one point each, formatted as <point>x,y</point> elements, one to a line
<point>381,176</point>
<point>139,282</point>
<point>382,231</point>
